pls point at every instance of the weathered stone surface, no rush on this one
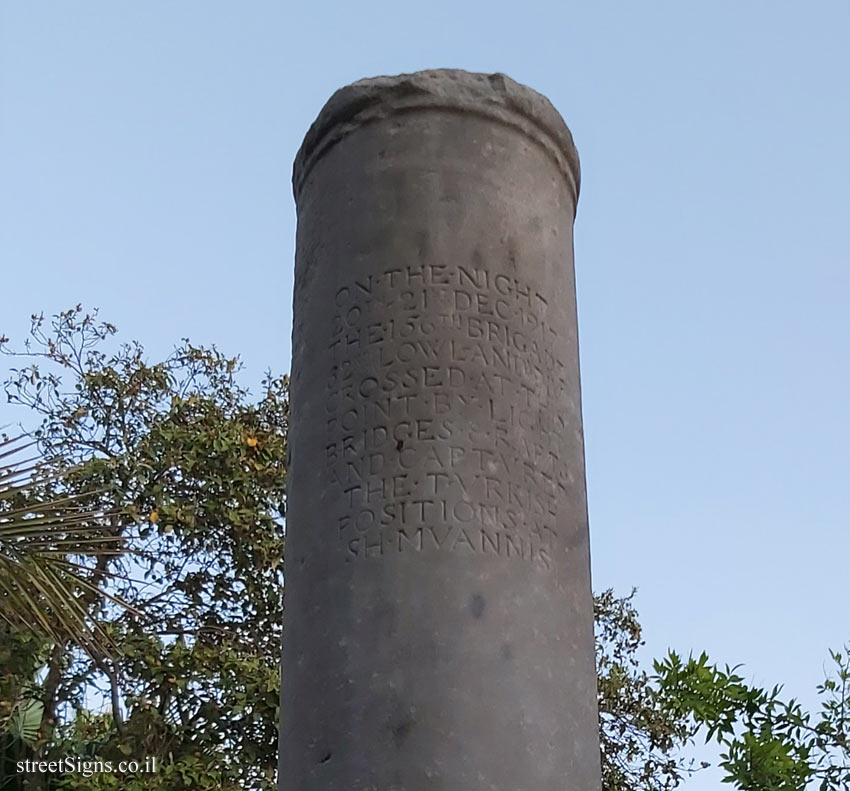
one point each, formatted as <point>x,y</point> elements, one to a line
<point>438,610</point>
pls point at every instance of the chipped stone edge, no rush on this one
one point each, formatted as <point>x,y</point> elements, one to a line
<point>493,96</point>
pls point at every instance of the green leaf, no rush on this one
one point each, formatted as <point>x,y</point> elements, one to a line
<point>25,721</point>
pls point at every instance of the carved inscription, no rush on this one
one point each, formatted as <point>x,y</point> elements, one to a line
<point>445,421</point>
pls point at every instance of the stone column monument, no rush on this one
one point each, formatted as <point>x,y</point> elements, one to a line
<point>438,630</point>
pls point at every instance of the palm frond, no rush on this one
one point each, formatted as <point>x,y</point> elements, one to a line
<point>25,720</point>
<point>41,534</point>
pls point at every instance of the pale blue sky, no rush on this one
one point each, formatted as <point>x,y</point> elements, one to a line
<point>145,154</point>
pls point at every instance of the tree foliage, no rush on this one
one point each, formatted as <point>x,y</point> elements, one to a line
<point>192,473</point>
<point>640,736</point>
<point>769,744</point>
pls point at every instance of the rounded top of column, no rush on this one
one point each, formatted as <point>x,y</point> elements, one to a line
<point>493,96</point>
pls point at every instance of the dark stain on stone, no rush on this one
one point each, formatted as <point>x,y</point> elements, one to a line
<point>477,605</point>
<point>401,730</point>
<point>507,652</point>
<point>423,245</point>
<point>512,254</point>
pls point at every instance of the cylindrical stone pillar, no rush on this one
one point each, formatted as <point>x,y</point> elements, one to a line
<point>439,628</point>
